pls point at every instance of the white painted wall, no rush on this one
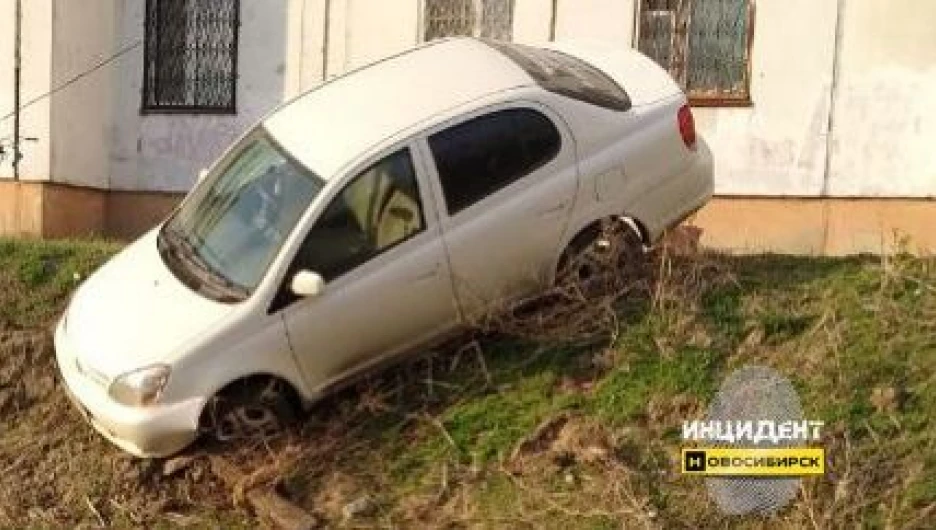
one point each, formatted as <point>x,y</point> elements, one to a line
<point>37,55</point>
<point>777,147</point>
<point>607,20</point>
<point>305,46</point>
<point>165,152</point>
<point>358,32</point>
<point>885,100</point>
<point>375,29</point>
<point>91,132</point>
<point>82,114</point>
<point>883,118</point>
<point>532,20</point>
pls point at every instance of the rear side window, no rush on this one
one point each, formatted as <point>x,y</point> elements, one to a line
<point>563,74</point>
<point>479,157</point>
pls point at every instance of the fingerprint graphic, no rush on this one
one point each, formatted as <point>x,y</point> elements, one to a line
<point>754,393</point>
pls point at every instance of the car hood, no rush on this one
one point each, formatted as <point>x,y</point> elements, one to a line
<point>133,312</point>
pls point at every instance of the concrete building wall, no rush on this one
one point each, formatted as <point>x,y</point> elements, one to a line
<point>533,20</point>
<point>777,146</point>
<point>885,100</point>
<point>330,37</point>
<point>36,78</point>
<point>832,156</point>
<point>305,45</point>
<point>606,20</point>
<point>105,167</point>
<point>82,114</point>
<point>164,152</point>
<point>813,226</point>
<point>90,132</point>
<point>374,30</point>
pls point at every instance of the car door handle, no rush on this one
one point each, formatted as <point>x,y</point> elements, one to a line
<point>552,209</point>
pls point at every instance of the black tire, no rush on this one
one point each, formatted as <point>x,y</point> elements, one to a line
<point>608,255</point>
<point>252,409</point>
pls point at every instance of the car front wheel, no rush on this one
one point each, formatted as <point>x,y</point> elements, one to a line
<point>251,409</point>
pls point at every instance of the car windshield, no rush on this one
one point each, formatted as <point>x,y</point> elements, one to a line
<point>231,227</point>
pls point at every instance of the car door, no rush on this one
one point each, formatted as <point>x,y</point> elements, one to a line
<point>388,285</point>
<point>507,180</point>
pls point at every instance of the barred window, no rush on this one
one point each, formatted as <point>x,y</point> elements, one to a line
<point>490,19</point>
<point>705,45</point>
<point>191,56</point>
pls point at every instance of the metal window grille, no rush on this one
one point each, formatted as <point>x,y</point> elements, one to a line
<point>704,44</point>
<point>491,19</point>
<point>191,56</point>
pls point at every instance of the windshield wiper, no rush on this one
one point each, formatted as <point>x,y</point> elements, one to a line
<point>216,275</point>
<point>184,249</point>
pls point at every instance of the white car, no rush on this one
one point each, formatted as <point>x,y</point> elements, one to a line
<point>366,219</point>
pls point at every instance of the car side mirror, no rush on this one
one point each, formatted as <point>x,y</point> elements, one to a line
<point>202,174</point>
<point>307,284</point>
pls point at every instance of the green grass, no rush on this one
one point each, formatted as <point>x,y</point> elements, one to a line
<point>434,441</point>
<point>38,276</point>
<point>623,395</point>
<point>837,328</point>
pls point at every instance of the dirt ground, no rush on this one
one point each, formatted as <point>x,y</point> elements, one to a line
<point>58,472</point>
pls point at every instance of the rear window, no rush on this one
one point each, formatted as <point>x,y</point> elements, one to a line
<point>563,74</point>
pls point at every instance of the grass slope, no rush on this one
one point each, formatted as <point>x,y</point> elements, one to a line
<point>517,433</point>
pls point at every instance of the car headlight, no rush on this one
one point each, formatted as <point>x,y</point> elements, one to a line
<point>140,388</point>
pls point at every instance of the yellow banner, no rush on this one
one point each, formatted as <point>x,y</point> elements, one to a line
<point>753,462</point>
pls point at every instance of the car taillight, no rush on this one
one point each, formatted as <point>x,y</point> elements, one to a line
<point>687,126</point>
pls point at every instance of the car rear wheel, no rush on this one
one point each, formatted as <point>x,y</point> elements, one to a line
<point>251,409</point>
<point>605,258</point>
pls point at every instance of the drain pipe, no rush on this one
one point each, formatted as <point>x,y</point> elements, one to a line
<point>326,37</point>
<point>553,16</point>
<point>830,124</point>
<point>833,92</point>
<point>17,84</point>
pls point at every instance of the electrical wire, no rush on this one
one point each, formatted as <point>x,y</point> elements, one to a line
<point>120,53</point>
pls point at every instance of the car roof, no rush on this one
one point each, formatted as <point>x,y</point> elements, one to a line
<point>335,123</point>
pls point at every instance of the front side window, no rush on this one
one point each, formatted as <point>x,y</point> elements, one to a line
<point>377,210</point>
<point>704,44</point>
<point>492,19</point>
<point>190,56</point>
<point>483,155</point>
<point>226,234</point>
<point>563,74</point>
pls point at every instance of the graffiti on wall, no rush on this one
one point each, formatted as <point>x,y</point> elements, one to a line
<point>173,149</point>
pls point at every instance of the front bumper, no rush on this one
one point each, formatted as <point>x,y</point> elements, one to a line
<point>148,432</point>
